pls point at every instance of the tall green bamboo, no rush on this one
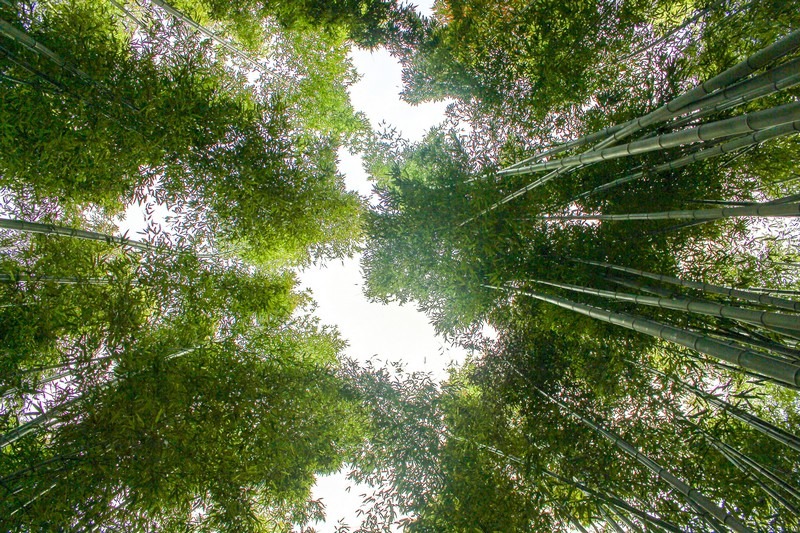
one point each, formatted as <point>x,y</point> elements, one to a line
<point>770,430</point>
<point>682,103</point>
<point>690,305</point>
<point>750,65</point>
<point>52,229</point>
<point>760,210</point>
<point>782,371</point>
<point>691,494</point>
<point>762,299</point>
<point>723,148</point>
<point>748,123</point>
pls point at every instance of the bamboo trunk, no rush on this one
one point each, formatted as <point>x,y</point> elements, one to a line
<point>691,494</point>
<point>742,124</point>
<point>753,63</point>
<point>755,361</point>
<point>724,148</point>
<point>52,229</point>
<point>691,305</point>
<point>762,299</point>
<point>770,430</point>
<point>760,210</point>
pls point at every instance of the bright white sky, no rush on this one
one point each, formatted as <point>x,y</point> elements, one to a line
<point>387,332</point>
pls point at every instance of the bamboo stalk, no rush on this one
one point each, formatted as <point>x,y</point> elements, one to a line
<point>751,64</point>
<point>774,80</point>
<point>616,502</point>
<point>680,104</point>
<point>770,430</point>
<point>729,451</point>
<point>7,29</point>
<point>609,520</point>
<point>759,210</point>
<point>742,124</point>
<point>52,229</point>
<point>208,33</point>
<point>19,278</point>
<point>724,148</point>
<point>690,493</point>
<point>690,305</point>
<point>563,147</point>
<point>762,299</point>
<point>727,351</point>
<point>777,496</point>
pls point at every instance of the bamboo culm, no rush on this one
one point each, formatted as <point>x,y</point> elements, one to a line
<point>692,495</point>
<point>680,104</point>
<point>760,363</point>
<point>724,148</point>
<point>760,210</point>
<point>52,229</point>
<point>742,124</point>
<point>751,64</point>
<point>762,299</point>
<point>691,305</point>
<point>753,421</point>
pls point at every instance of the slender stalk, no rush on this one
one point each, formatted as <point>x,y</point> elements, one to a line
<point>751,420</point>
<point>768,344</point>
<point>758,362</point>
<point>772,81</point>
<point>627,521</point>
<point>777,496</point>
<point>691,494</point>
<point>19,278</point>
<point>759,210</point>
<point>762,299</point>
<point>208,33</point>
<point>609,520</point>
<point>707,153</point>
<point>690,305</point>
<point>768,290</point>
<point>7,29</point>
<point>563,147</point>
<point>753,63</point>
<point>52,229</point>
<point>742,124</point>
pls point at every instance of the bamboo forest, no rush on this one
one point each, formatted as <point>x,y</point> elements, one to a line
<point>606,221</point>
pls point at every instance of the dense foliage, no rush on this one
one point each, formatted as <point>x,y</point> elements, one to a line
<point>643,366</point>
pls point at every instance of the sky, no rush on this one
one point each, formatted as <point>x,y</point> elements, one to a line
<point>386,332</point>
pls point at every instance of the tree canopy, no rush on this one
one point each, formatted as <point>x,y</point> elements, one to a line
<point>614,195</point>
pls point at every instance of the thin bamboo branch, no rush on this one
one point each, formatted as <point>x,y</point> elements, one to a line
<point>210,34</point>
<point>770,430</point>
<point>762,299</point>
